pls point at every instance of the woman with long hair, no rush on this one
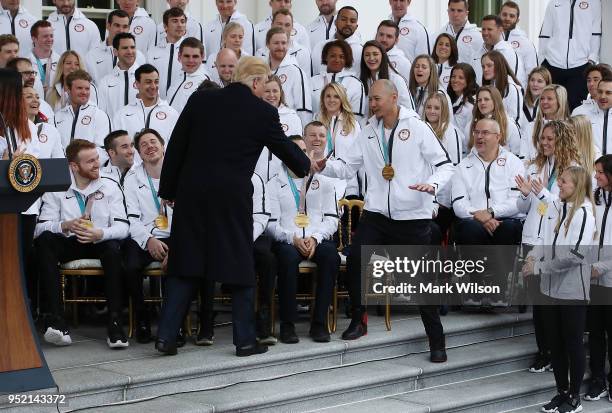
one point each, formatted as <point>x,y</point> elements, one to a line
<point>232,38</point>
<point>496,72</point>
<point>538,79</point>
<point>489,105</point>
<point>462,91</point>
<point>337,57</point>
<point>599,315</point>
<point>587,150</point>
<point>561,258</point>
<point>335,113</point>
<point>423,82</point>
<point>553,106</point>
<point>556,152</point>
<point>375,65</point>
<point>13,109</point>
<point>446,55</point>
<point>57,96</point>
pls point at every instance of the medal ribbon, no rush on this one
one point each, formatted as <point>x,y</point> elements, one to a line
<point>552,177</point>
<point>154,194</point>
<point>85,205</point>
<point>330,141</point>
<point>387,146</point>
<point>299,196</point>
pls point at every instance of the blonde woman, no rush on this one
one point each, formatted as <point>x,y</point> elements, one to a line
<point>553,106</point>
<point>57,95</point>
<point>538,79</point>
<point>561,258</point>
<point>231,38</point>
<point>489,104</point>
<point>556,152</point>
<point>423,81</point>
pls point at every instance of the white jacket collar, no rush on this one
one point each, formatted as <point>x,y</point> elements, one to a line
<point>93,186</point>
<point>140,12</point>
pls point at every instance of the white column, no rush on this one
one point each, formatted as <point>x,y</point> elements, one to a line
<point>34,7</point>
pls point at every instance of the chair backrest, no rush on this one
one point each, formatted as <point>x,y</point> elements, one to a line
<point>347,206</point>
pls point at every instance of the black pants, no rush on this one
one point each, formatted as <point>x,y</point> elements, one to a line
<point>573,80</point>
<point>28,224</point>
<point>564,325</point>
<point>599,319</point>
<point>536,296</point>
<point>471,232</point>
<point>376,229</point>
<point>328,261</point>
<point>265,268</point>
<point>178,295</point>
<point>136,260</point>
<point>53,248</point>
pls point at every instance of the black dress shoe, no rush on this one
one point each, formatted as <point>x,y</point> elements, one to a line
<point>287,334</point>
<point>438,356</point>
<point>180,338</point>
<point>143,332</point>
<point>319,334</point>
<point>251,350</point>
<point>357,328</point>
<point>164,347</point>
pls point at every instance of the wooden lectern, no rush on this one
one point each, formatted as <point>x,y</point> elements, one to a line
<point>22,363</point>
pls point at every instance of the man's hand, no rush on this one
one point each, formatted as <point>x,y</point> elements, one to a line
<point>524,185</point>
<point>423,188</point>
<point>482,216</point>
<point>300,245</point>
<point>316,165</point>
<point>86,234</point>
<point>491,225</point>
<point>528,268</point>
<point>68,226</point>
<point>157,249</point>
<point>595,273</point>
<point>311,245</point>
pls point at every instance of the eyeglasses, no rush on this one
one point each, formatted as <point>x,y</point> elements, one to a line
<point>29,73</point>
<point>478,133</point>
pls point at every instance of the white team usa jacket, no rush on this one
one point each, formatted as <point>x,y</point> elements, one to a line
<point>144,29</point>
<point>351,83</point>
<point>296,85</point>
<point>135,117</point>
<point>77,33</point>
<point>112,89</point>
<point>268,165</point>
<point>107,211</point>
<point>101,61</point>
<point>468,38</point>
<point>321,208</point>
<point>453,143</point>
<point>477,186</point>
<point>181,90</point>
<point>214,28</point>
<point>603,263</point>
<point>417,156</point>
<point>261,205</point>
<point>141,209</point>
<point>165,60</point>
<point>563,259</point>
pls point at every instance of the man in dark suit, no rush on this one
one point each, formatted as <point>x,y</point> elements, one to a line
<point>207,174</point>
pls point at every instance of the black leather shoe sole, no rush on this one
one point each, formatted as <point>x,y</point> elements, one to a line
<point>251,350</point>
<point>167,349</point>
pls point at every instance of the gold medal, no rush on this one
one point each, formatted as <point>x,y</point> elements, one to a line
<point>87,223</point>
<point>542,208</point>
<point>388,172</point>
<point>301,220</point>
<point>161,221</point>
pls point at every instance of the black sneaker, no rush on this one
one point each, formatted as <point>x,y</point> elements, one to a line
<point>597,390</point>
<point>553,405</point>
<point>287,334</point>
<point>541,363</point>
<point>116,336</point>
<point>571,404</point>
<point>57,332</point>
<point>180,338</point>
<point>143,331</point>
<point>319,333</point>
<point>205,338</point>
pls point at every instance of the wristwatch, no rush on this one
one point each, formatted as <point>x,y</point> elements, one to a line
<point>490,211</point>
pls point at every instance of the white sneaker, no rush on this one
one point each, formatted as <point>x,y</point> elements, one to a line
<point>57,337</point>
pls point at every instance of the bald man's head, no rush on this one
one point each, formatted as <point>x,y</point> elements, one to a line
<point>226,63</point>
<point>488,124</point>
<point>382,98</point>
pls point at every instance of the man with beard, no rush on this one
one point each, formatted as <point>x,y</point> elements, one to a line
<point>323,27</point>
<point>346,29</point>
<point>87,221</point>
<point>225,65</point>
<point>387,34</point>
<point>71,29</point>
<point>510,14</point>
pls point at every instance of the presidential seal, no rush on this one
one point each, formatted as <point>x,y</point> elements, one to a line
<point>25,173</point>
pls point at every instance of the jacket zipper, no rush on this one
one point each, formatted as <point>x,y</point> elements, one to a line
<point>571,33</point>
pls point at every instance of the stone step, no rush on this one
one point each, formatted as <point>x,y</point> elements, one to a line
<point>397,377</point>
<point>91,375</point>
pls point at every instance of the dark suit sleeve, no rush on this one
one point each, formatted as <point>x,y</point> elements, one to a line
<point>287,151</point>
<point>176,151</point>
